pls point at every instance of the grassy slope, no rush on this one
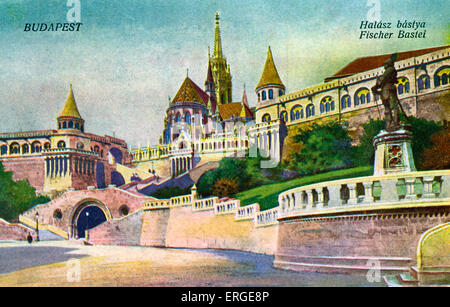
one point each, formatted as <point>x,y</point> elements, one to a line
<point>267,195</point>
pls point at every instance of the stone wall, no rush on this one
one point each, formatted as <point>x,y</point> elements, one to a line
<point>27,168</point>
<point>338,243</point>
<point>124,231</point>
<point>14,232</point>
<point>181,227</point>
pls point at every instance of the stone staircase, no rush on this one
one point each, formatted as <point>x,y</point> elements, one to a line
<point>412,278</point>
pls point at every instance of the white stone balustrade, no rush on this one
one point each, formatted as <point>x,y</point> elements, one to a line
<point>369,191</point>
<point>247,212</point>
<point>267,217</point>
<point>227,207</point>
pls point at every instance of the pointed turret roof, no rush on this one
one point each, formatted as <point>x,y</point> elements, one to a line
<point>190,92</point>
<point>70,107</point>
<point>244,98</point>
<point>209,77</point>
<point>217,40</point>
<point>270,73</point>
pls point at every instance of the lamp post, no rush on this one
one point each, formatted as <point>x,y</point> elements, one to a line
<point>37,226</point>
<point>87,225</point>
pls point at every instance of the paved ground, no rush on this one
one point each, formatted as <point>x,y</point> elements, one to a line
<point>53,263</point>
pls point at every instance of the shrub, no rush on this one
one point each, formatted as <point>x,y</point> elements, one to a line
<point>225,187</point>
<point>438,155</point>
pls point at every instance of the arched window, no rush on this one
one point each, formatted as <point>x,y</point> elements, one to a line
<point>402,85</point>
<point>346,102</point>
<point>259,96</point>
<point>25,148</point>
<point>35,147</point>
<point>326,104</point>
<point>187,118</point>
<point>3,150</point>
<point>64,125</point>
<point>47,145</point>
<point>70,124</point>
<point>270,94</point>
<point>309,110</point>
<point>77,126</point>
<point>178,118</point>
<point>296,112</point>
<point>266,118</point>
<point>61,144</point>
<point>264,95</point>
<point>14,149</point>
<point>362,96</point>
<point>423,82</point>
<point>284,116</point>
<point>280,93</point>
<point>442,75</point>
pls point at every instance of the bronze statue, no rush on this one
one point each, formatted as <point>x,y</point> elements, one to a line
<point>385,87</point>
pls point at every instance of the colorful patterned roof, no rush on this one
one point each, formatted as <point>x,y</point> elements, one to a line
<point>70,107</point>
<point>270,73</point>
<point>372,62</point>
<point>190,92</point>
<point>234,109</point>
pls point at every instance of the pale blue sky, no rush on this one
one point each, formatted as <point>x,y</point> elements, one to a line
<point>131,55</point>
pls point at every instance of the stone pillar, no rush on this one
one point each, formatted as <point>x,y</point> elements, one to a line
<point>428,187</point>
<point>352,199</point>
<point>410,193</point>
<point>368,194</point>
<point>320,199</point>
<point>310,199</point>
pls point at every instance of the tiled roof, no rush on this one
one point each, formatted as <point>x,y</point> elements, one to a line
<point>190,92</point>
<point>233,109</point>
<point>372,62</point>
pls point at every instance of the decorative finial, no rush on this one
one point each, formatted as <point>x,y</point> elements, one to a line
<point>187,72</point>
<point>209,53</point>
<point>217,17</point>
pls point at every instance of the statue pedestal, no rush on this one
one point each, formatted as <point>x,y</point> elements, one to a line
<point>393,152</point>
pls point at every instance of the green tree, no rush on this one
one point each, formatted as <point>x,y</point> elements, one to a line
<point>16,197</point>
<point>364,153</point>
<point>325,146</point>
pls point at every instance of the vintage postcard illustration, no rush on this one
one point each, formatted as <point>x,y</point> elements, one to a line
<point>224,144</point>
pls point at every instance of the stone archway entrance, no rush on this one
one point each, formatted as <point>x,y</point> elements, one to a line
<point>87,214</point>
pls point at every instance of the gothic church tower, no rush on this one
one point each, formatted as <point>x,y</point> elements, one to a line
<point>220,70</point>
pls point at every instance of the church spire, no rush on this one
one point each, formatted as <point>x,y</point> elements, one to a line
<point>217,40</point>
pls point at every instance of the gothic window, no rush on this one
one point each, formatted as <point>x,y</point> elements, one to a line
<point>284,116</point>
<point>362,96</point>
<point>61,144</point>
<point>441,77</point>
<point>310,110</point>
<point>270,94</point>
<point>264,95</point>
<point>423,82</point>
<point>402,85</point>
<point>326,105</point>
<point>266,118</point>
<point>296,112</point>
<point>346,102</point>
<point>187,118</point>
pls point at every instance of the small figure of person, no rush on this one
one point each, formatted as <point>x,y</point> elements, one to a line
<point>29,238</point>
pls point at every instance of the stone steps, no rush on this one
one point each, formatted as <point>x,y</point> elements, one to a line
<point>342,264</point>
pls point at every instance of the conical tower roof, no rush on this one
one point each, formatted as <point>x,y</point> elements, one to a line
<point>217,40</point>
<point>70,107</point>
<point>270,74</point>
